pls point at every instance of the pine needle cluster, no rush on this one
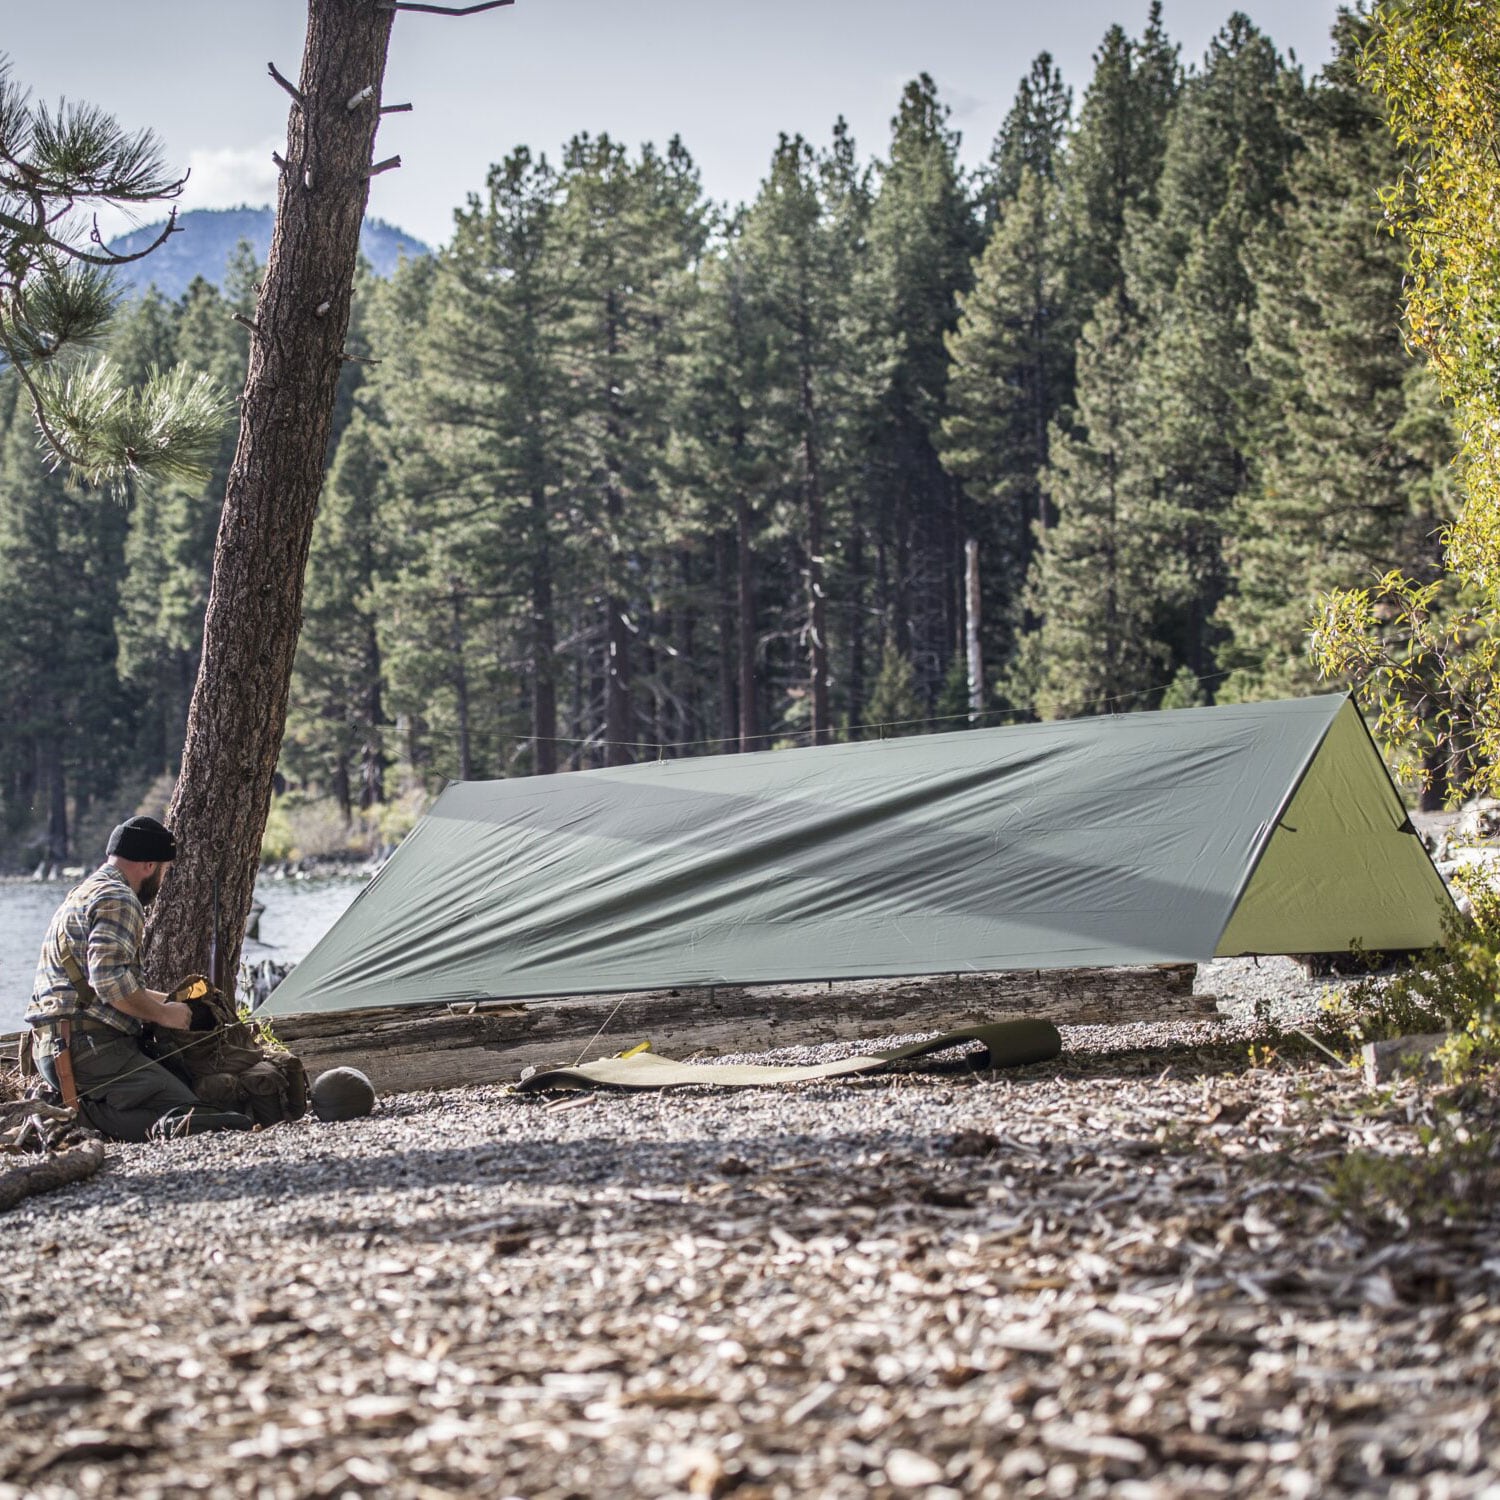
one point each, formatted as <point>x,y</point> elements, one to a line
<point>58,167</point>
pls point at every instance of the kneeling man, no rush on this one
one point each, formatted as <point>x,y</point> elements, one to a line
<point>88,1005</point>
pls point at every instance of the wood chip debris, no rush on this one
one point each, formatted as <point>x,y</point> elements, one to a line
<point>1136,1272</point>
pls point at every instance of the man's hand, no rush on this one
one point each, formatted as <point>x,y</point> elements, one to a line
<point>152,1005</point>
<point>175,1014</point>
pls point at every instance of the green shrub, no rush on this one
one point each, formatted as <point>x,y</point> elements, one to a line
<point>1452,1175</point>
<point>301,826</point>
<point>1454,988</point>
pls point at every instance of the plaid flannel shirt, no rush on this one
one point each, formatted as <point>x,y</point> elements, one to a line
<point>101,924</point>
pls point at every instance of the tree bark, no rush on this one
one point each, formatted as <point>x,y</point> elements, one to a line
<point>372,757</point>
<point>543,642</point>
<point>817,621</point>
<point>461,692</point>
<point>972,622</point>
<point>239,704</point>
<point>341,789</point>
<point>619,726</point>
<point>744,594</point>
<point>729,712</point>
<point>855,587</point>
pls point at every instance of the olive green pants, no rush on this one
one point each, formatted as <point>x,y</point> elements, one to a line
<point>125,1095</point>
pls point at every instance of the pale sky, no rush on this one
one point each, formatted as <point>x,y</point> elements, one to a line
<point>726,75</point>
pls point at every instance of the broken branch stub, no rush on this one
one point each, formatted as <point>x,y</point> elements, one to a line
<point>287,84</point>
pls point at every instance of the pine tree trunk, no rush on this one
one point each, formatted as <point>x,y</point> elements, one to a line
<point>342,794</point>
<point>856,593</point>
<point>183,704</point>
<point>817,612</point>
<point>618,715</point>
<point>685,678</point>
<point>578,752</point>
<point>238,711</point>
<point>729,714</point>
<point>461,693</point>
<point>745,599</point>
<point>618,728</point>
<point>543,643</point>
<point>972,630</point>
<point>372,764</point>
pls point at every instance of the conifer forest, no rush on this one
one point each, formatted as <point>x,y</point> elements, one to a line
<point>623,473</point>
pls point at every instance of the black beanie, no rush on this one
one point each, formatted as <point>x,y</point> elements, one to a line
<point>142,839</point>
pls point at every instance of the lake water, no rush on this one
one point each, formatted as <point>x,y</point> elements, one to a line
<point>297,913</point>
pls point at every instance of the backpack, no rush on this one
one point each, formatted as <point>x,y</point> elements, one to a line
<point>223,1060</point>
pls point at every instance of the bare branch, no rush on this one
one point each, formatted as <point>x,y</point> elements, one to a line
<point>289,86</point>
<point>249,323</point>
<point>363,96</point>
<point>113,257</point>
<point>394,109</point>
<point>443,10</point>
<point>357,359</point>
<point>384,166</point>
<point>277,157</point>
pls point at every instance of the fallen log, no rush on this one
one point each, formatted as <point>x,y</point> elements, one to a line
<point>47,1173</point>
<point>409,1047</point>
<point>438,1047</point>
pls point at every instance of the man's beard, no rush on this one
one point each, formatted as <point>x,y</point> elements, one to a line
<point>149,887</point>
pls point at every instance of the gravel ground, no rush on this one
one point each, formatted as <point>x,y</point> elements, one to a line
<point>1142,1270</point>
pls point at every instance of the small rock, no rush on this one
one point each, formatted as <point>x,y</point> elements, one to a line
<point>1403,1054</point>
<point>909,1470</point>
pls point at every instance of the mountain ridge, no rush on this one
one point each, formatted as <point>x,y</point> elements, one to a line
<point>209,236</point>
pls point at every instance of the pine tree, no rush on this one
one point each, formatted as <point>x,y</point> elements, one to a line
<point>238,711</point>
<point>1031,137</point>
<point>717,469</point>
<point>1352,480</point>
<point>60,567</point>
<point>922,238</point>
<point>335,729</point>
<point>1114,156</point>
<point>169,552</point>
<point>1011,374</point>
<point>1092,569</point>
<point>845,192</point>
<point>896,708</point>
<point>799,272</point>
<point>1094,587</point>
<point>493,403</point>
<point>630,230</point>
<point>1228,149</point>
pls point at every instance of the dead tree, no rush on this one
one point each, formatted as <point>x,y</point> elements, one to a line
<point>239,704</point>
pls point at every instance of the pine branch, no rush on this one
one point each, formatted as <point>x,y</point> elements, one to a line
<point>54,442</point>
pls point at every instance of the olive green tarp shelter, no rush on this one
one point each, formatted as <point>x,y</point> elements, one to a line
<point>1137,839</point>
